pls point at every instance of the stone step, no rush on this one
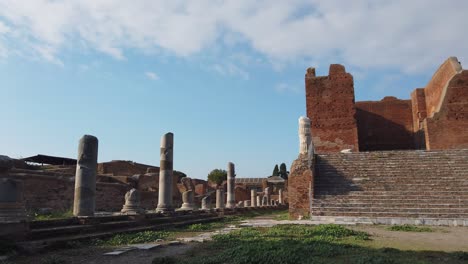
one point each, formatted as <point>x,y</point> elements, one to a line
<point>391,205</point>
<point>388,214</point>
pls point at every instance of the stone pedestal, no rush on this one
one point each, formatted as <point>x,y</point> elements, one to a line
<point>219,199</point>
<point>13,220</point>
<point>85,177</point>
<point>132,203</point>
<point>165,174</point>
<point>240,204</point>
<point>231,199</point>
<point>188,201</point>
<point>206,203</point>
<point>253,198</point>
<point>247,203</point>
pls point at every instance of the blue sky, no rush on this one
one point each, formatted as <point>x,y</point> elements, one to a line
<point>227,77</point>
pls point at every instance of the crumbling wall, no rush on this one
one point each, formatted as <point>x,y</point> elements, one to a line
<point>300,187</point>
<point>448,128</point>
<point>436,89</point>
<point>385,124</point>
<point>124,168</point>
<point>331,109</point>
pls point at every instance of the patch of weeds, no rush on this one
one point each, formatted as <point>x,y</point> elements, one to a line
<point>461,255</point>
<point>132,238</point>
<point>164,260</point>
<point>53,215</point>
<point>409,228</point>
<point>7,247</point>
<point>53,260</point>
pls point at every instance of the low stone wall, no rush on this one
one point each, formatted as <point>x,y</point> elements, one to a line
<point>54,192</point>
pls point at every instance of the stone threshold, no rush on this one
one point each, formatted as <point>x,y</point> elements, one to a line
<point>392,220</point>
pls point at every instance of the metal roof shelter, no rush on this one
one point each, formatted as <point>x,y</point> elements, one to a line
<point>50,160</point>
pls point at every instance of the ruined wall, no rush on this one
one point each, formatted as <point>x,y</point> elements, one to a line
<point>42,191</point>
<point>330,107</point>
<point>385,124</point>
<point>436,88</point>
<point>124,168</point>
<point>300,188</point>
<point>418,105</point>
<point>448,128</point>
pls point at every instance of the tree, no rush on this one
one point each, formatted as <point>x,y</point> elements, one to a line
<point>275,171</point>
<point>217,176</point>
<point>283,171</point>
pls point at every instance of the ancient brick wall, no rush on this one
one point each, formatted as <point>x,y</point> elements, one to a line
<point>125,168</point>
<point>385,124</point>
<point>241,193</point>
<point>448,128</point>
<point>58,192</point>
<point>300,188</point>
<point>331,109</point>
<point>436,88</point>
<point>418,105</point>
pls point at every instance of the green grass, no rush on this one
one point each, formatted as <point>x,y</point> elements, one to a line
<point>305,244</point>
<point>132,238</point>
<point>410,228</point>
<point>54,215</point>
<point>282,216</point>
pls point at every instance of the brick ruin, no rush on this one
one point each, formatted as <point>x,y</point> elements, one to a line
<point>436,116</point>
<point>408,159</point>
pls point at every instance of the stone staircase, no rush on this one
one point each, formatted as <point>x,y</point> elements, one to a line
<point>393,187</point>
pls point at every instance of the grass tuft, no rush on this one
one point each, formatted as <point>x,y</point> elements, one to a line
<point>410,228</point>
<point>132,238</point>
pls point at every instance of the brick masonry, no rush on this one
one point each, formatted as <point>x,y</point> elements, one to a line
<point>300,188</point>
<point>436,116</point>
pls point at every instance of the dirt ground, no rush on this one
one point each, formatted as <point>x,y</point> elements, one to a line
<point>446,239</point>
<point>442,239</point>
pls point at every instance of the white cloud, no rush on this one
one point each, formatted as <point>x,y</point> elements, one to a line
<point>410,35</point>
<point>231,69</point>
<point>152,75</point>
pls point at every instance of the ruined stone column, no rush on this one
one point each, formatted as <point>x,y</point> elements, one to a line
<point>280,196</point>
<point>240,204</point>
<point>188,201</point>
<point>305,137</point>
<point>247,203</point>
<point>85,177</point>
<point>132,203</point>
<point>267,195</point>
<point>253,198</point>
<point>259,201</point>
<point>231,199</point>
<point>219,199</point>
<point>206,203</point>
<point>165,174</point>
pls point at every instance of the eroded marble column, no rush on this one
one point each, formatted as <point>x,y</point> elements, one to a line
<point>188,201</point>
<point>259,200</point>
<point>165,174</point>
<point>206,203</point>
<point>247,203</point>
<point>305,137</point>
<point>132,203</point>
<point>219,199</point>
<point>231,174</point>
<point>280,196</point>
<point>253,198</point>
<point>85,178</point>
